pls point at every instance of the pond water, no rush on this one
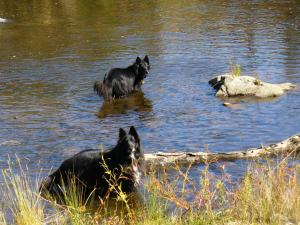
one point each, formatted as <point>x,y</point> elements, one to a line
<point>51,53</point>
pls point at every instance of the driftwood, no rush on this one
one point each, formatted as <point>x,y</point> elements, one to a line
<point>288,146</point>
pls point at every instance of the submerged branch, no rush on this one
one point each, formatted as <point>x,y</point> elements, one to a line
<point>292,144</point>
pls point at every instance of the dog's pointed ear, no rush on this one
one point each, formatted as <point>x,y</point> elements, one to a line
<point>138,60</point>
<point>132,131</point>
<point>146,59</point>
<point>122,133</point>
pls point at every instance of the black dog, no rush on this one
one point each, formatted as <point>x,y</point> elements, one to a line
<point>96,172</point>
<point>119,83</point>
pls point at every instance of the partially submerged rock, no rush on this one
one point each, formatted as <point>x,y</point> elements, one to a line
<point>228,85</point>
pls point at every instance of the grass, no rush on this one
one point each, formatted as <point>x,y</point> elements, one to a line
<point>235,69</point>
<point>269,193</point>
<point>26,205</point>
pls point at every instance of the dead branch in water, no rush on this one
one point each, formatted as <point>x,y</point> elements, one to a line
<point>292,144</point>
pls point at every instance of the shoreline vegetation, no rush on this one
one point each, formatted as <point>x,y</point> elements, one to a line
<point>269,193</point>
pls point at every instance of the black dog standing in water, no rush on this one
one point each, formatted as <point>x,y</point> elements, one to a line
<point>119,83</point>
<point>90,176</point>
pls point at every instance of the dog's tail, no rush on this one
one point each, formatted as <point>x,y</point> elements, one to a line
<point>103,90</point>
<point>98,87</point>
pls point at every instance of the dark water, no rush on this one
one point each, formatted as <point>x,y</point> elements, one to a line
<point>51,52</point>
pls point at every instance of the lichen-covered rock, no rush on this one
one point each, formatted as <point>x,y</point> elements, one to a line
<point>228,85</point>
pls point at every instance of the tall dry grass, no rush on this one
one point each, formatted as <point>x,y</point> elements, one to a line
<point>269,193</point>
<point>26,206</point>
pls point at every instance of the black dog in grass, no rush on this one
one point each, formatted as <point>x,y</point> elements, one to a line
<point>120,82</point>
<point>96,173</point>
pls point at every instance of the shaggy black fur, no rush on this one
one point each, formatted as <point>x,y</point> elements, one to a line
<point>119,83</point>
<point>90,174</point>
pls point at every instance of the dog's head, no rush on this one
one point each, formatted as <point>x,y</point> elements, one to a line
<point>129,151</point>
<point>129,145</point>
<point>143,66</point>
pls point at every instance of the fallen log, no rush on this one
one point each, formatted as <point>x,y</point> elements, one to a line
<point>288,146</point>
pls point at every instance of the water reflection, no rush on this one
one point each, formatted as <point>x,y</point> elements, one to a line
<point>39,90</point>
<point>135,102</point>
<point>240,102</point>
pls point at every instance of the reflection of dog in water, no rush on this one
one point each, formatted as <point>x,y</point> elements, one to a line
<point>135,102</point>
<point>120,82</point>
<point>95,173</point>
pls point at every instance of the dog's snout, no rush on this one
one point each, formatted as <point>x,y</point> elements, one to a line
<point>133,149</point>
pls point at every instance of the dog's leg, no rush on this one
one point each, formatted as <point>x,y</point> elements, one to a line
<point>108,95</point>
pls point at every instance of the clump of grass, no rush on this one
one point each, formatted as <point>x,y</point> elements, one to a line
<point>194,203</point>
<point>154,211</point>
<point>26,206</point>
<point>75,206</point>
<point>269,195</point>
<point>235,69</point>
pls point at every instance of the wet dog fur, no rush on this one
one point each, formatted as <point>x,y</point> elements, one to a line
<point>120,82</point>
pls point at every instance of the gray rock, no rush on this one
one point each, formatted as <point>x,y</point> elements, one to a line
<point>228,85</point>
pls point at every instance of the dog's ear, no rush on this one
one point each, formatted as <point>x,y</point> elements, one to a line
<point>146,59</point>
<point>138,60</point>
<point>122,133</point>
<point>132,131</point>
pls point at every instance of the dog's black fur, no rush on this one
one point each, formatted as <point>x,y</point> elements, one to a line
<point>120,82</point>
<point>91,177</point>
